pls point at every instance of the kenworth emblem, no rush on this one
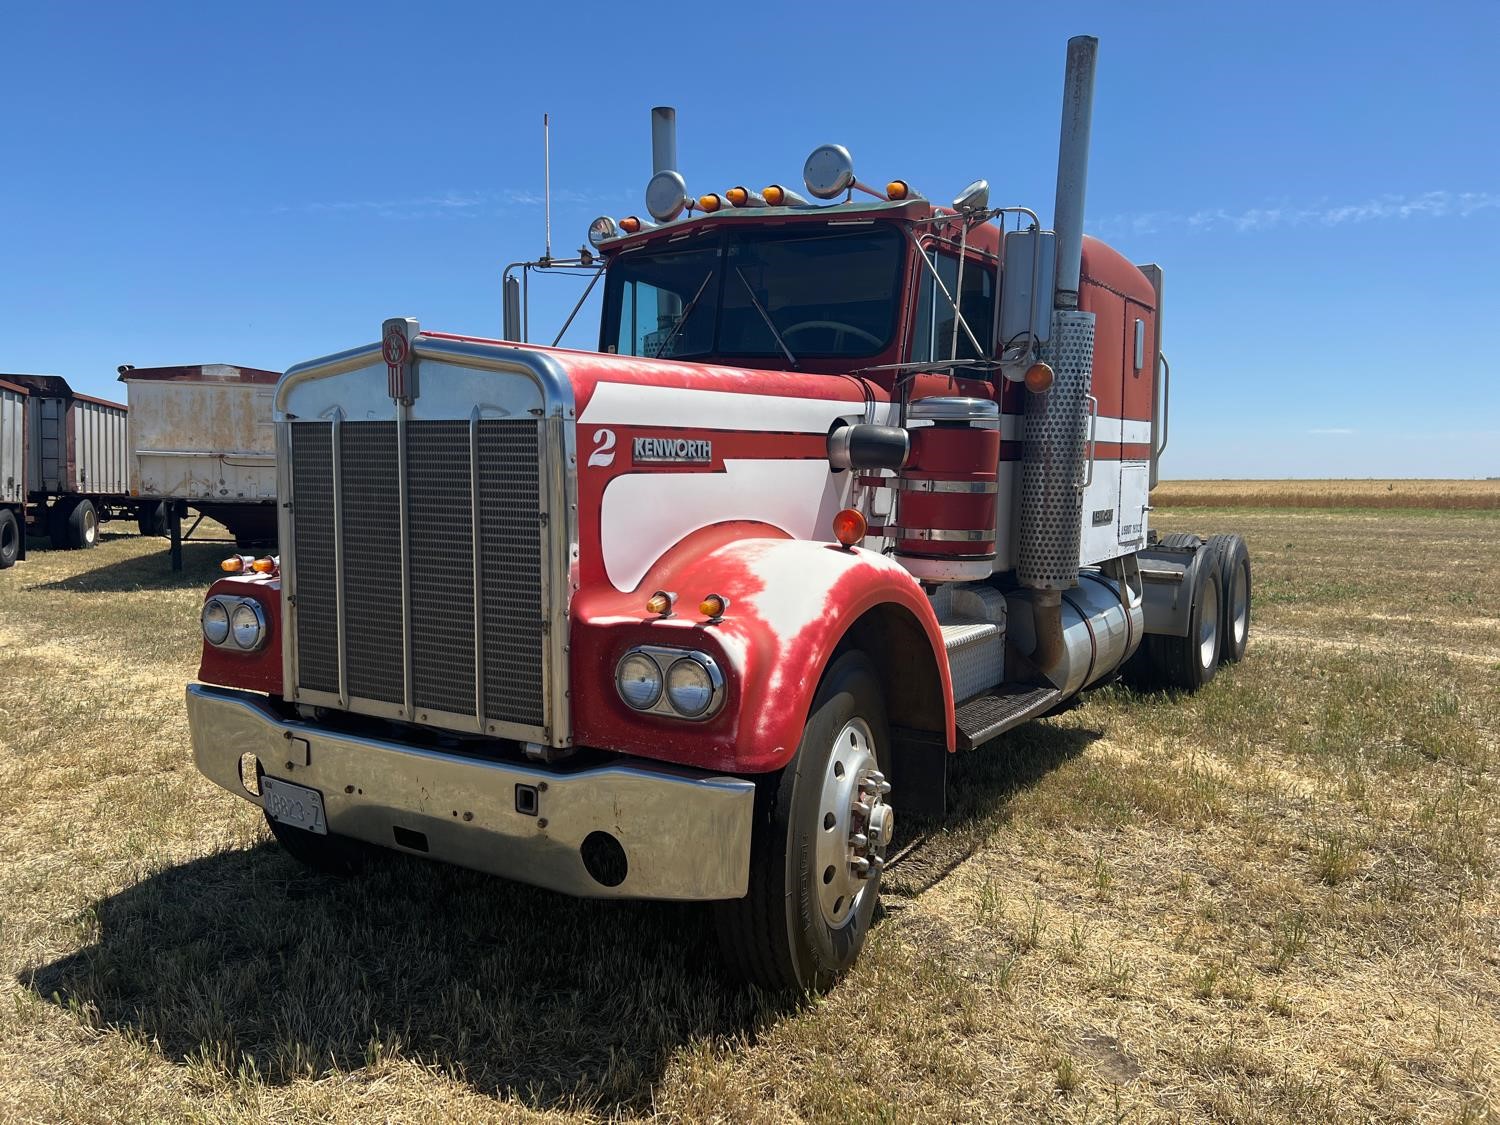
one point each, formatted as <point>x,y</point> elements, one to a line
<point>660,450</point>
<point>395,347</point>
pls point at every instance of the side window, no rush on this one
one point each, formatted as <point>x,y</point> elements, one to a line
<point>933,339</point>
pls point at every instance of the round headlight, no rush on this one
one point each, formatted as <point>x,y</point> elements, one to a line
<point>215,620</point>
<point>638,681</point>
<point>690,689</point>
<point>248,624</point>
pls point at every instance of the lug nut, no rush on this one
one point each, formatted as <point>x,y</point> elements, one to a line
<point>859,840</point>
<point>861,866</point>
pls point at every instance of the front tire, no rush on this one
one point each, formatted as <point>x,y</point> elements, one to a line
<point>822,827</point>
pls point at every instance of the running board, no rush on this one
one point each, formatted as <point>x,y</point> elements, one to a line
<point>989,716</point>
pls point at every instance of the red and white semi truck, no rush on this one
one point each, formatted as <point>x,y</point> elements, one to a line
<point>848,486</point>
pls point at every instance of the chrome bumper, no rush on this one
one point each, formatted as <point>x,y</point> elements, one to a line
<point>685,834</point>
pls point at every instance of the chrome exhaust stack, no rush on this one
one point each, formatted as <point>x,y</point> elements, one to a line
<point>663,139</point>
<point>1056,422</point>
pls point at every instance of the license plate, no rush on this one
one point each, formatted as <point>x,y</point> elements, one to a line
<point>296,805</point>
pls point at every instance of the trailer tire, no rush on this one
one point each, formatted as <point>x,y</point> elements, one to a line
<point>151,519</point>
<point>83,525</point>
<point>330,854</point>
<point>10,539</point>
<point>1188,663</point>
<point>788,934</point>
<point>1234,594</point>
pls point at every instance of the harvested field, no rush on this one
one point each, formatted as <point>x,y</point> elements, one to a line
<point>1438,495</point>
<point>1273,901</point>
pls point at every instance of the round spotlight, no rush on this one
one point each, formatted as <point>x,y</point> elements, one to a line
<point>602,230</point>
<point>829,171</point>
<point>667,196</point>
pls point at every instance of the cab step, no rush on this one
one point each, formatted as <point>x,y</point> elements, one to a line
<point>989,716</point>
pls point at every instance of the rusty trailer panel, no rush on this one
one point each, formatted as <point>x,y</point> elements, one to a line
<point>12,443</point>
<point>202,433</point>
<point>75,443</point>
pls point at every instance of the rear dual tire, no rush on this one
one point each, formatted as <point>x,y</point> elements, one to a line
<point>10,539</point>
<point>1218,618</point>
<point>74,526</point>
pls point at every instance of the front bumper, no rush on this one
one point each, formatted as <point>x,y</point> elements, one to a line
<point>685,834</point>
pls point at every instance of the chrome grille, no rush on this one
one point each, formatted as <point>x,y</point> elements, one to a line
<point>453,468</point>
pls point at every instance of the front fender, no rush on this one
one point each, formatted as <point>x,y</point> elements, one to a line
<point>791,603</point>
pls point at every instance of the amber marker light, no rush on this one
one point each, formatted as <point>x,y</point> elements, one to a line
<point>711,202</point>
<point>849,527</point>
<point>775,195</point>
<point>630,224</point>
<point>266,565</point>
<point>1038,378</point>
<point>234,564</point>
<point>897,189</point>
<point>714,606</point>
<point>738,196</point>
<point>661,603</point>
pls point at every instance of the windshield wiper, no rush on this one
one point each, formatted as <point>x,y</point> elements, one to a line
<point>683,319</point>
<point>765,316</point>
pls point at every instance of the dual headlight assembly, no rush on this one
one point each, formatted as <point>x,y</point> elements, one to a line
<point>677,682</point>
<point>238,624</point>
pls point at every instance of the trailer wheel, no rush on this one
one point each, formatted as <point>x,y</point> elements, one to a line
<point>1190,662</point>
<point>330,854</point>
<point>83,525</point>
<point>1234,587</point>
<point>821,830</point>
<point>10,539</point>
<point>151,518</point>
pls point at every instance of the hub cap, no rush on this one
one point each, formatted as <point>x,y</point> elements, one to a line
<point>1208,629</point>
<point>1239,606</point>
<point>90,526</point>
<point>855,824</point>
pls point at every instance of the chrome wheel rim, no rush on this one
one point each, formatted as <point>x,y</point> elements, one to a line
<point>1208,627</point>
<point>1239,606</point>
<point>854,824</point>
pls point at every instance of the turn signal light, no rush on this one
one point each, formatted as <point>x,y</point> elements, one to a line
<point>1038,378</point>
<point>713,606</point>
<point>630,224</point>
<point>661,603</point>
<point>234,564</point>
<point>266,565</point>
<point>897,189</point>
<point>849,526</point>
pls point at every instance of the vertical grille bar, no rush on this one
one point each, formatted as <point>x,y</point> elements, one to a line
<point>403,504</point>
<point>316,622</point>
<point>475,541</point>
<point>373,638</point>
<point>338,555</point>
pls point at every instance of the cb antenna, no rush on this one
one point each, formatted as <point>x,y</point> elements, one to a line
<point>547,184</point>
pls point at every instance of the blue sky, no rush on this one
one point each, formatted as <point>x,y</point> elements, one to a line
<point>260,184</point>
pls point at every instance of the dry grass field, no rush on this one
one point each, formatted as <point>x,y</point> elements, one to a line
<point>1428,494</point>
<point>1272,901</point>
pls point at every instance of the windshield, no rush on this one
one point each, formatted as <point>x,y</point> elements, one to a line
<point>820,293</point>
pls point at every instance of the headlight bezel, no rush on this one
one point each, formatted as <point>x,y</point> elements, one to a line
<point>665,658</point>
<point>230,606</point>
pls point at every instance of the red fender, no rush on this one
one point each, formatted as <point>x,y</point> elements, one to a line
<point>791,602</point>
<point>254,671</point>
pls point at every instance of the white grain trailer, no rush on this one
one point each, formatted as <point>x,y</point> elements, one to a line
<point>201,437</point>
<point>63,464</point>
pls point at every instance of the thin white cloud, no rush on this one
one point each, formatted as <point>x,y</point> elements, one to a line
<point>451,204</point>
<point>1428,205</point>
<point>1338,431</point>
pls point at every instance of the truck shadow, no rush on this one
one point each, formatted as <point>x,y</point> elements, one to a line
<point>200,566</point>
<point>247,962</point>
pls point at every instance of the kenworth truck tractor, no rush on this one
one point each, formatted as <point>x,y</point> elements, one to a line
<point>852,483</point>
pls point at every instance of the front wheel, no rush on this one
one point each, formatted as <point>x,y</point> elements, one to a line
<point>821,831</point>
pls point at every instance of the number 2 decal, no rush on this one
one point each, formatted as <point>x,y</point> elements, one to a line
<point>604,449</point>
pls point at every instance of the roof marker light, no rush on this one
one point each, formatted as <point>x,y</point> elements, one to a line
<point>897,189</point>
<point>742,196</point>
<point>777,196</point>
<point>632,225</point>
<point>711,202</point>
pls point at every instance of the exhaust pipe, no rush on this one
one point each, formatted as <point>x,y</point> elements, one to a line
<point>1056,423</point>
<point>663,139</point>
